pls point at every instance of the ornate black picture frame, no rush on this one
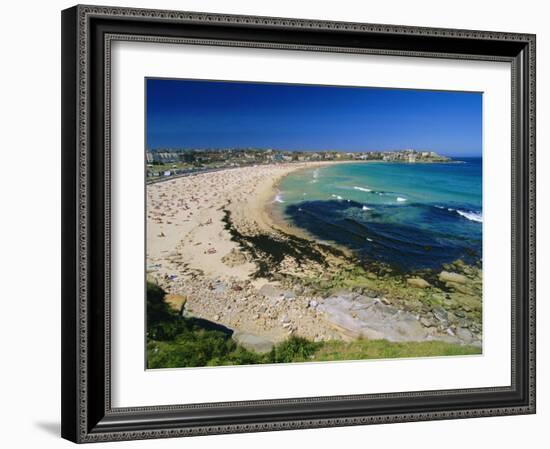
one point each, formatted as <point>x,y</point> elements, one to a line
<point>87,34</point>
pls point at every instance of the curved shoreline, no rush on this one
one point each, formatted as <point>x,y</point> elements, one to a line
<point>281,223</point>
<point>276,221</point>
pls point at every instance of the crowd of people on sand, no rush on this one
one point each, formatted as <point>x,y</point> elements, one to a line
<point>189,249</point>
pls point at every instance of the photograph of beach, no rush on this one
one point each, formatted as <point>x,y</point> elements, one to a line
<point>290,223</point>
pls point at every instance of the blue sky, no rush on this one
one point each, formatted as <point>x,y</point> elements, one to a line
<point>217,114</point>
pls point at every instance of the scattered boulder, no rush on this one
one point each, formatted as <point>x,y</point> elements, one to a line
<point>452,318</point>
<point>464,334</point>
<point>176,302</point>
<point>253,342</point>
<point>425,321</point>
<point>447,276</point>
<point>441,314</point>
<point>418,283</point>
<point>370,292</point>
<point>459,288</point>
<point>271,291</point>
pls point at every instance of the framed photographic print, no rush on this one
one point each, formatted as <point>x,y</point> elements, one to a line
<point>280,223</point>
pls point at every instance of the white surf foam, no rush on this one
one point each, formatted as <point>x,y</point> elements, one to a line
<point>401,199</point>
<point>278,198</point>
<point>472,216</point>
<point>362,189</point>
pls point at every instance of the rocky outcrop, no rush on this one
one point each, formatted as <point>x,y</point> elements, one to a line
<point>418,283</point>
<point>362,316</point>
<point>176,302</point>
<point>253,342</point>
<point>446,276</point>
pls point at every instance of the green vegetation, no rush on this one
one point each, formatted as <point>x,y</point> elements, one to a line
<point>382,349</point>
<point>178,341</point>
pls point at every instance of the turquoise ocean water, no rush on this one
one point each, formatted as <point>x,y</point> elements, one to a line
<point>410,216</point>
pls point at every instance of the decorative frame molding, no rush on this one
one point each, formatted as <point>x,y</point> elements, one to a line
<point>88,32</point>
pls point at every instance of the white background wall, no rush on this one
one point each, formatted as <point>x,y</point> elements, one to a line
<point>30,222</point>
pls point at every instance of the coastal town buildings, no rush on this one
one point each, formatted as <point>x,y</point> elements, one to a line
<point>177,161</point>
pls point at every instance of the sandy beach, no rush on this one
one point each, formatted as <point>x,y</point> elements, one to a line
<point>185,217</point>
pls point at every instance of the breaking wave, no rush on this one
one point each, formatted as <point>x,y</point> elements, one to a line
<point>472,216</point>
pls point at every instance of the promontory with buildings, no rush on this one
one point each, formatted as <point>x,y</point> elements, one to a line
<point>167,162</point>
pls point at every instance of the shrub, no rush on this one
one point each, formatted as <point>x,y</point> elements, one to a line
<point>293,350</point>
<point>161,322</point>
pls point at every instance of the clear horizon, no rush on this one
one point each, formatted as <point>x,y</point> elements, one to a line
<point>216,114</point>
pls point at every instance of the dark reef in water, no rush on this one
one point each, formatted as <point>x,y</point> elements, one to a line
<point>435,235</point>
<point>268,251</point>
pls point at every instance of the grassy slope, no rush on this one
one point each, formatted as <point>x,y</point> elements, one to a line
<point>207,351</point>
<point>383,349</point>
<point>174,341</point>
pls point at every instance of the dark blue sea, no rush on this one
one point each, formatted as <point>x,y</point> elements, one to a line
<point>410,216</point>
